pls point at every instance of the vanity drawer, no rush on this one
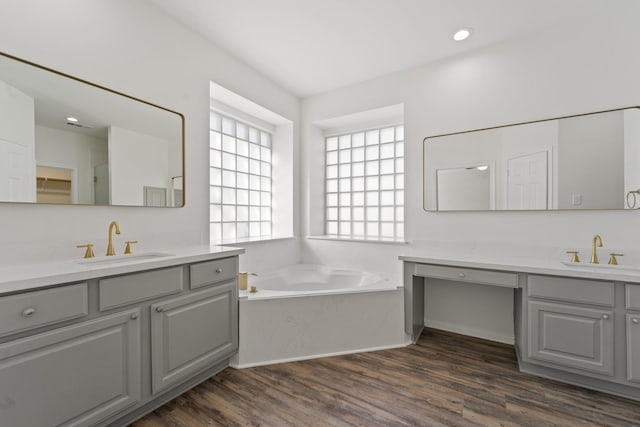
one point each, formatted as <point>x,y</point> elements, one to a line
<point>584,291</point>
<point>486,277</point>
<point>632,296</point>
<point>124,290</point>
<point>33,309</point>
<point>205,273</point>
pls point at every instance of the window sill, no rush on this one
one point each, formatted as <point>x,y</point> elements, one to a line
<point>347,239</point>
<point>250,240</point>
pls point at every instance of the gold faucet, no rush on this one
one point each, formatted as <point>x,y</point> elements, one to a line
<point>110,251</point>
<point>597,241</point>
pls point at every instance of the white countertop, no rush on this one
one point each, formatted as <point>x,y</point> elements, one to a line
<point>24,277</point>
<point>525,264</point>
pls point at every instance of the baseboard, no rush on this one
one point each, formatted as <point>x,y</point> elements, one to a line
<point>236,365</point>
<point>464,330</point>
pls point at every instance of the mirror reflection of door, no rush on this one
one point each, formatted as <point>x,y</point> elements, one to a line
<point>527,181</point>
<point>101,184</point>
<point>155,196</point>
<point>54,185</point>
<point>16,181</point>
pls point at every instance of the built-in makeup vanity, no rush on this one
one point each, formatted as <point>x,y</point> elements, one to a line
<point>101,343</point>
<point>572,324</point>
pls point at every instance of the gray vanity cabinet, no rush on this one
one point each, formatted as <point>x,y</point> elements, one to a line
<point>633,347</point>
<point>108,350</point>
<point>180,345</point>
<point>73,376</point>
<point>572,328</point>
<point>571,335</point>
<point>571,323</point>
<point>632,304</point>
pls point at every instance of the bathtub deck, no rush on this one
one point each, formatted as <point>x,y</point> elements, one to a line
<point>444,380</point>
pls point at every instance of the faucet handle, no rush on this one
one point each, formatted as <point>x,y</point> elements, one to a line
<point>89,252</point>
<point>612,258</point>
<point>574,257</point>
<point>127,248</point>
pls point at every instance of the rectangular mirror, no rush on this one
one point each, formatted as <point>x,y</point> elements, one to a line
<point>67,141</point>
<point>586,161</point>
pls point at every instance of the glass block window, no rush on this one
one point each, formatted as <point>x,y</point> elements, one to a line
<point>239,179</point>
<point>364,193</point>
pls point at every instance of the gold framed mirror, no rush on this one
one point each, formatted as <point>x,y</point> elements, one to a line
<point>580,162</point>
<point>64,140</point>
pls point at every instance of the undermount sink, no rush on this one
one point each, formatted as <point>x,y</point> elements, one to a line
<point>118,259</point>
<point>602,267</point>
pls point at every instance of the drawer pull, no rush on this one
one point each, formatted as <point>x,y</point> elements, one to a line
<point>218,270</point>
<point>159,309</point>
<point>134,316</point>
<point>462,275</point>
<point>605,316</point>
<point>28,312</point>
<point>635,320</point>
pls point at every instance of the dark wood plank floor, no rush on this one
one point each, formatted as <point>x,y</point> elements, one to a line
<point>443,380</point>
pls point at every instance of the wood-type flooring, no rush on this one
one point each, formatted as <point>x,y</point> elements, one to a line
<point>444,380</point>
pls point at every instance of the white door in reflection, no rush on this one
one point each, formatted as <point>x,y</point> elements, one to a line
<point>101,184</point>
<point>16,181</point>
<point>527,181</point>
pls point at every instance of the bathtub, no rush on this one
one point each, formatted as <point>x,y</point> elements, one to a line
<point>308,311</point>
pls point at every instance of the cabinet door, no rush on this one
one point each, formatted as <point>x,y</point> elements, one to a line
<point>633,347</point>
<point>72,376</point>
<point>192,332</point>
<point>573,336</point>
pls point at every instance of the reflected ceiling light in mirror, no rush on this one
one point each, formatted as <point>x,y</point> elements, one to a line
<point>462,34</point>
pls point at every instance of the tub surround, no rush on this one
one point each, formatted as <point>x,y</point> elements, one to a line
<point>575,323</point>
<point>31,276</point>
<point>310,311</point>
<point>103,344</point>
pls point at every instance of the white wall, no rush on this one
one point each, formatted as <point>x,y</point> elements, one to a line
<point>458,152</point>
<point>589,67</point>
<point>631,157</point>
<point>590,161</point>
<point>71,150</point>
<point>136,49</point>
<point>467,189</point>
<point>136,161</point>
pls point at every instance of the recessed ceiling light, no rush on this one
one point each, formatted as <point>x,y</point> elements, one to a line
<point>482,168</point>
<point>72,119</point>
<point>462,34</point>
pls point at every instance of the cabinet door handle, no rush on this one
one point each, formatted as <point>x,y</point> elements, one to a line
<point>635,320</point>
<point>605,316</point>
<point>218,270</point>
<point>159,309</point>
<point>28,312</point>
<point>462,275</point>
<point>134,316</point>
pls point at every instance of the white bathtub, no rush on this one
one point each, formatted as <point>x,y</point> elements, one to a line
<point>307,279</point>
<point>309,311</point>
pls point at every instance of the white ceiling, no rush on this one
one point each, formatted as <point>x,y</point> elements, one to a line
<point>312,46</point>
